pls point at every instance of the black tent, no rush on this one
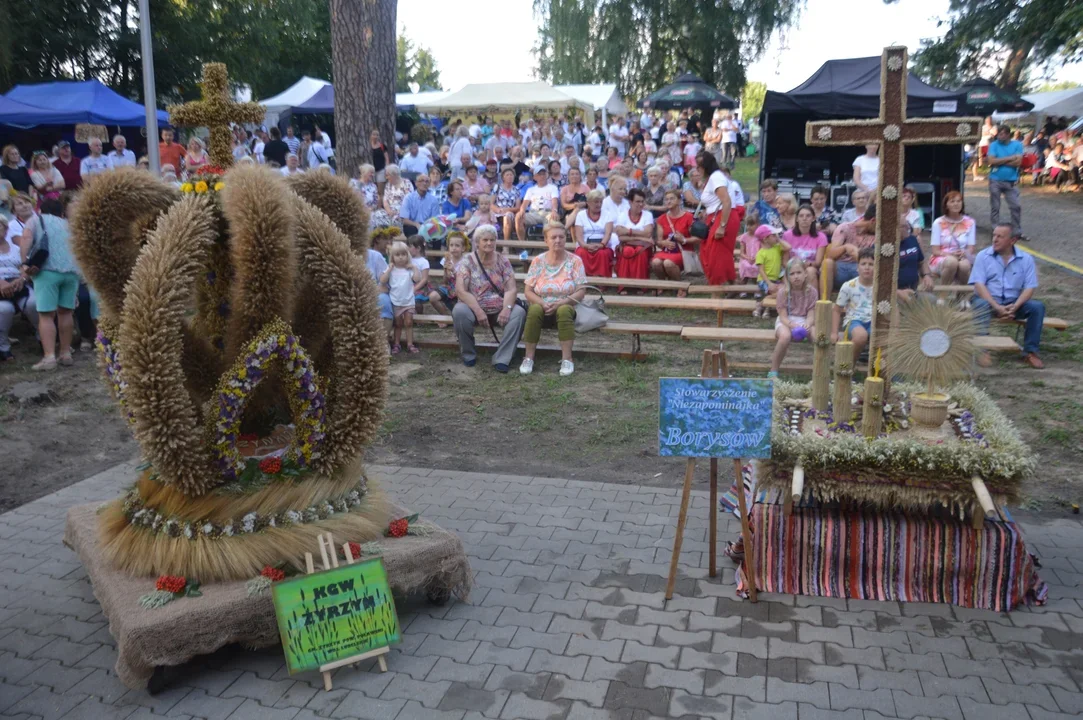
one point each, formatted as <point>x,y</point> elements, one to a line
<point>850,88</point>
<point>687,90</point>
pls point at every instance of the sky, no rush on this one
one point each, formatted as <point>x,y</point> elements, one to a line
<point>825,31</point>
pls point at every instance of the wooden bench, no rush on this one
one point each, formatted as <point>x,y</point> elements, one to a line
<point>1050,322</point>
<point>603,282</point>
<point>989,343</point>
<point>719,290</point>
<point>522,244</point>
<point>636,330</point>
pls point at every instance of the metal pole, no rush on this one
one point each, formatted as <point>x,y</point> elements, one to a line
<point>149,103</point>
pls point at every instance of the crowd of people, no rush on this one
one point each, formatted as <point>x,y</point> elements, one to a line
<point>648,196</point>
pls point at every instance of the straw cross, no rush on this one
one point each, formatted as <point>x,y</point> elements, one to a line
<point>891,131</point>
<point>216,111</point>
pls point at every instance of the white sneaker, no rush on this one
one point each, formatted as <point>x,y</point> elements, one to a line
<point>567,367</point>
<point>527,367</point>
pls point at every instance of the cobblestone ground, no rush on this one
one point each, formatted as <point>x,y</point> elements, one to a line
<point>567,621</point>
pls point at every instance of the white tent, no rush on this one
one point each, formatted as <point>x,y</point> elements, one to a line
<point>295,94</point>
<point>408,100</point>
<point>1059,103</point>
<point>603,97</point>
<point>503,97</point>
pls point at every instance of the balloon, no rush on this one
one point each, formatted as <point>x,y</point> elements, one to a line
<point>799,333</point>
<point>434,229</point>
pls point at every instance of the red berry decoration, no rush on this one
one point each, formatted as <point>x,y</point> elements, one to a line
<point>171,583</point>
<point>272,574</point>
<point>399,528</point>
<point>270,465</point>
<point>355,550</point>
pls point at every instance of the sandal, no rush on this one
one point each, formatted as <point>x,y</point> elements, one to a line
<point>396,349</point>
<point>45,364</point>
<point>66,360</point>
<point>412,349</point>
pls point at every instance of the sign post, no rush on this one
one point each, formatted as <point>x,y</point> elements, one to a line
<point>336,617</point>
<point>714,417</point>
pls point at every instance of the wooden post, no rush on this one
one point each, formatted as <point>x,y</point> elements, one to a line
<point>820,361</point>
<point>985,500</point>
<point>705,369</point>
<point>712,534</point>
<point>872,414</point>
<point>797,487</point>
<point>844,376</point>
<point>746,532</point>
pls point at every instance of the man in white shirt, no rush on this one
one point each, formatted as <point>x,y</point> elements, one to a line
<point>325,140</point>
<point>618,136</point>
<point>645,121</point>
<point>95,163</point>
<point>570,160</point>
<point>415,161</point>
<point>317,153</point>
<point>293,165</point>
<point>121,156</point>
<point>539,203</point>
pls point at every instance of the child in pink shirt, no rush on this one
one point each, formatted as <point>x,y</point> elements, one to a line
<point>747,272</point>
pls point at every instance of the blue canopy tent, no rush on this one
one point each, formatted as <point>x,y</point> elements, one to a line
<point>81,102</point>
<point>322,102</point>
<point>13,112</point>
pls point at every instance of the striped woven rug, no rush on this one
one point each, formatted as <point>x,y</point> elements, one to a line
<point>892,556</point>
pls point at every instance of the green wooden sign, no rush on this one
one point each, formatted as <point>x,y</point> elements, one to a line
<point>335,614</point>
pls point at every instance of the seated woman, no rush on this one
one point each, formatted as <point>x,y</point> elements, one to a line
<point>673,233</point>
<point>506,201</point>
<point>635,228</point>
<point>456,204</point>
<point>612,159</point>
<point>786,204</point>
<point>591,231</point>
<point>554,284</point>
<point>556,175</point>
<point>47,180</point>
<point>592,181</point>
<point>617,202</point>
<point>395,192</point>
<point>655,191</point>
<point>954,236</point>
<point>365,186</point>
<point>692,188</point>
<point>807,242</point>
<point>437,185</point>
<point>475,185</point>
<point>573,196</point>
<point>16,294</point>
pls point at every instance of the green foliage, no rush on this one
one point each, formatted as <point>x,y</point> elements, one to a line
<point>643,44</point>
<point>1054,86</point>
<point>1015,37</point>
<point>752,98</point>
<point>267,44</point>
<point>415,68</point>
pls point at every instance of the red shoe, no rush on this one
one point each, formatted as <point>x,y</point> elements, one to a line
<point>1034,361</point>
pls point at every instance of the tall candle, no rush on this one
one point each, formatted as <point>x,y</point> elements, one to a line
<point>844,372</point>
<point>872,413</point>
<point>821,362</point>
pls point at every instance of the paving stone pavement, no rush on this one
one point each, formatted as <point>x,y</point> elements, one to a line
<point>567,621</point>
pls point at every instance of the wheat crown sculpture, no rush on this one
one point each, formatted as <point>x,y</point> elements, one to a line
<point>237,312</point>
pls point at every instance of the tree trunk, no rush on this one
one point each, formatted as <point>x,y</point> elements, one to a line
<point>1016,63</point>
<point>363,61</point>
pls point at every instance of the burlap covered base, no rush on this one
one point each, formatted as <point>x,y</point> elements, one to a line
<point>226,614</point>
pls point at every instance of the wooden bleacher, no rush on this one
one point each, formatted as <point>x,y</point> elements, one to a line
<point>989,343</point>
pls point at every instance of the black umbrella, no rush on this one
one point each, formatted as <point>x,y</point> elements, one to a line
<point>687,90</point>
<point>984,96</point>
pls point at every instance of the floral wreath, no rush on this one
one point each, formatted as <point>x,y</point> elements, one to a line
<point>275,342</point>
<point>111,363</point>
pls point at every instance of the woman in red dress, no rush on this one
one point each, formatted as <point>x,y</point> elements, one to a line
<point>716,251</point>
<point>635,228</point>
<point>591,231</point>
<point>672,234</point>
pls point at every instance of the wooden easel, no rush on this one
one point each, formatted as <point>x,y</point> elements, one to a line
<point>714,365</point>
<point>330,560</point>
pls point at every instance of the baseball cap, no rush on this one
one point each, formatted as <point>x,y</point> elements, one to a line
<point>540,169</point>
<point>63,144</point>
<point>764,230</point>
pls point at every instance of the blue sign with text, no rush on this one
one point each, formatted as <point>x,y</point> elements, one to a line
<point>709,417</point>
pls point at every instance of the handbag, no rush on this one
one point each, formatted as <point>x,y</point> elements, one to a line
<point>590,312</point>
<point>699,230</point>
<point>39,250</point>
<point>518,300</point>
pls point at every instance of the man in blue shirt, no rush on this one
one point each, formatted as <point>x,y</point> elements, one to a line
<point>418,206</point>
<point>1004,280</point>
<point>1005,158</point>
